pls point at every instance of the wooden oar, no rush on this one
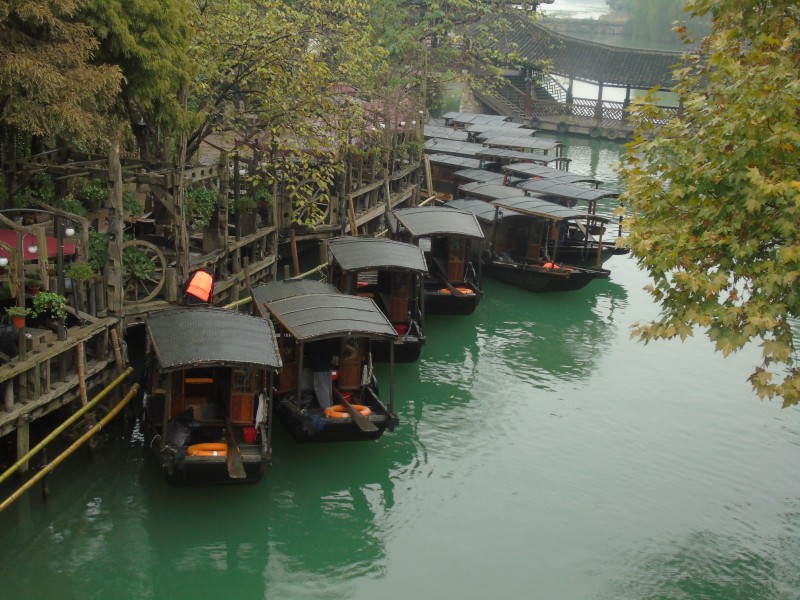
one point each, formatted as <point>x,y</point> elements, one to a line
<point>235,464</point>
<point>363,423</point>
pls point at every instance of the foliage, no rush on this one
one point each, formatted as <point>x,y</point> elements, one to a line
<point>69,203</point>
<point>130,205</point>
<point>137,264</point>
<point>148,40</point>
<point>49,303</point>
<point>713,200</point>
<point>80,271</point>
<point>91,192</point>
<point>271,71</point>
<point>18,311</point>
<point>98,250</point>
<point>432,44</point>
<point>244,203</point>
<point>49,85</point>
<point>200,206</point>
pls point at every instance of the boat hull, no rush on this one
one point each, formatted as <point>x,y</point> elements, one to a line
<point>539,279</point>
<point>180,469</point>
<point>406,350</point>
<point>438,303</point>
<point>311,426</point>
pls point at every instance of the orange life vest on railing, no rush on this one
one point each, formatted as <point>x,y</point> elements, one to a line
<point>200,286</point>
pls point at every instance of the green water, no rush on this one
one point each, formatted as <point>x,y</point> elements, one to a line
<point>541,454</point>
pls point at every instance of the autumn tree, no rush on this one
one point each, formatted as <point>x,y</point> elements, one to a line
<point>49,85</point>
<point>713,197</point>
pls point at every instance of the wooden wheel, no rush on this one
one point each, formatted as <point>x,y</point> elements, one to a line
<point>144,271</point>
<point>311,204</point>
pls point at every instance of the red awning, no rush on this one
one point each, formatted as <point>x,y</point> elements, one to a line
<point>9,236</point>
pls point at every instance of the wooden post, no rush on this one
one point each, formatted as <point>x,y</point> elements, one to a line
<point>352,213</point>
<point>114,269</point>
<point>293,246</point>
<point>23,442</point>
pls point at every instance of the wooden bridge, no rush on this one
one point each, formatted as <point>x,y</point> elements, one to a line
<point>531,95</point>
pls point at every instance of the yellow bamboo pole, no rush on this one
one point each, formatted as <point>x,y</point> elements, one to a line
<point>75,445</point>
<point>58,430</point>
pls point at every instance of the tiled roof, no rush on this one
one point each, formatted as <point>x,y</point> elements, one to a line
<point>590,61</point>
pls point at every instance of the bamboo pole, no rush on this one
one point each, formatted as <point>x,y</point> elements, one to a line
<point>64,455</point>
<point>58,430</point>
<point>81,371</point>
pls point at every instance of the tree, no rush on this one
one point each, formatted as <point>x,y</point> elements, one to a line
<point>713,197</point>
<point>48,83</point>
<point>148,40</point>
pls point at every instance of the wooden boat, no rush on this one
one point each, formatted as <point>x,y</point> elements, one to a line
<point>317,326</point>
<point>446,235</point>
<point>208,395</point>
<point>580,236</point>
<point>443,168</point>
<point>389,272</point>
<point>518,232</point>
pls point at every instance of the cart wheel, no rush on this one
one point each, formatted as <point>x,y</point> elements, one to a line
<point>311,204</point>
<point>144,271</point>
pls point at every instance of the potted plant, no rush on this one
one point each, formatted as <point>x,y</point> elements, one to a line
<point>17,315</point>
<point>50,303</point>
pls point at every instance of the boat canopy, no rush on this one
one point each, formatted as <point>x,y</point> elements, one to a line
<point>465,118</point>
<point>480,175</point>
<point>308,317</point>
<point>522,205</point>
<point>491,191</point>
<point>288,288</point>
<point>483,211</point>
<point>423,221</point>
<point>511,128</point>
<point>366,254</point>
<point>528,170</point>
<point>199,336</point>
<point>538,207</point>
<point>506,155</point>
<point>454,161</point>
<point>445,133</point>
<point>517,142</point>
<point>452,147</point>
<point>567,191</point>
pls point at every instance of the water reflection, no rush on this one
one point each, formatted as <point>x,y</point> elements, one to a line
<point>315,522</point>
<point>711,565</point>
<point>562,338</point>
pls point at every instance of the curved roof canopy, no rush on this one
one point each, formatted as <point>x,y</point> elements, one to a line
<point>558,188</point>
<point>308,317</point>
<point>366,254</point>
<point>584,60</point>
<point>199,336</point>
<point>288,288</point>
<point>424,221</point>
<point>532,170</point>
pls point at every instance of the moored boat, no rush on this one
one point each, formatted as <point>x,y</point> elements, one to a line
<point>390,272</point>
<point>208,394</point>
<point>447,237</point>
<point>519,230</point>
<point>327,391</point>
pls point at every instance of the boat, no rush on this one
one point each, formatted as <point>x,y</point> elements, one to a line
<point>580,233</point>
<point>327,390</point>
<point>208,394</point>
<point>446,236</point>
<point>519,230</point>
<point>390,272</point>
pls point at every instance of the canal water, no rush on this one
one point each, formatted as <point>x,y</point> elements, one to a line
<point>541,454</point>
